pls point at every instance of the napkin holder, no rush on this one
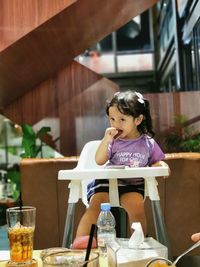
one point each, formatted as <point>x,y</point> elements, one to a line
<point>121,255</point>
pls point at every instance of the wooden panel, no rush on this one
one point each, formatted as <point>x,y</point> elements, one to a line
<point>54,44</point>
<point>86,116</point>
<point>182,207</point>
<point>50,200</point>
<point>165,106</point>
<point>20,17</point>
<point>73,94</point>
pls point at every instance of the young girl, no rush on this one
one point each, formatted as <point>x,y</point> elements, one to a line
<point>128,141</point>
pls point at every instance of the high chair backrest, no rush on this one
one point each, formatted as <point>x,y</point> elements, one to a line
<point>87,161</point>
<point>87,156</point>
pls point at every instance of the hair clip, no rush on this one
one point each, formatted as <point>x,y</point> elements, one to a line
<point>117,93</point>
<point>140,97</point>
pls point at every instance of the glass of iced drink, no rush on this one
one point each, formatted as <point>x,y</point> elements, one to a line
<point>72,258</point>
<point>21,226</point>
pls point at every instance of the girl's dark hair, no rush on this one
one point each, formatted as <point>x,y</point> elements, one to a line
<point>132,103</point>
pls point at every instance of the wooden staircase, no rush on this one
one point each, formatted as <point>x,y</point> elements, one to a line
<point>52,45</point>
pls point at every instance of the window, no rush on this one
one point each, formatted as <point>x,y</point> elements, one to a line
<point>192,60</point>
<point>196,45</point>
<point>129,49</point>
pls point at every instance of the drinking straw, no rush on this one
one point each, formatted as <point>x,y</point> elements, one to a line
<point>89,246</point>
<point>20,200</point>
<point>20,207</point>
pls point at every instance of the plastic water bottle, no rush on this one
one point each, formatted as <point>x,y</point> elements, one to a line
<point>106,228</point>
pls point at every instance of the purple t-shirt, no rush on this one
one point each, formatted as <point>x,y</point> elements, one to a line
<point>139,152</point>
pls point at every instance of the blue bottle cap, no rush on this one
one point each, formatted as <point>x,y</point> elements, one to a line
<point>105,206</point>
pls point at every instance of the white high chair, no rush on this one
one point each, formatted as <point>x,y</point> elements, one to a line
<point>87,170</point>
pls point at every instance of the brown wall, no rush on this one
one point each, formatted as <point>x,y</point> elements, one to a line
<point>180,203</point>
<point>165,106</point>
<point>41,189</point>
<point>73,95</point>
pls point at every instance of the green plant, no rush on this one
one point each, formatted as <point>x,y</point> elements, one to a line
<point>29,140</point>
<point>14,175</point>
<point>31,150</point>
<point>191,144</point>
<point>182,138</point>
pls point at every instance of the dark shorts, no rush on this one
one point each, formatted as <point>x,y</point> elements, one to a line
<point>103,186</point>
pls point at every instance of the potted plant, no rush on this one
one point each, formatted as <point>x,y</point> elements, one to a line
<point>29,141</point>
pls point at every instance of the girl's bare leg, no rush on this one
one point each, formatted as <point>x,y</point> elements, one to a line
<point>91,214</point>
<point>133,203</point>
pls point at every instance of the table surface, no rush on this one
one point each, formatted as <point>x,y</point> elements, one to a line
<point>102,173</point>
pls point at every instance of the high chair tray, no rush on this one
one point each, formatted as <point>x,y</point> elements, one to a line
<point>101,173</point>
